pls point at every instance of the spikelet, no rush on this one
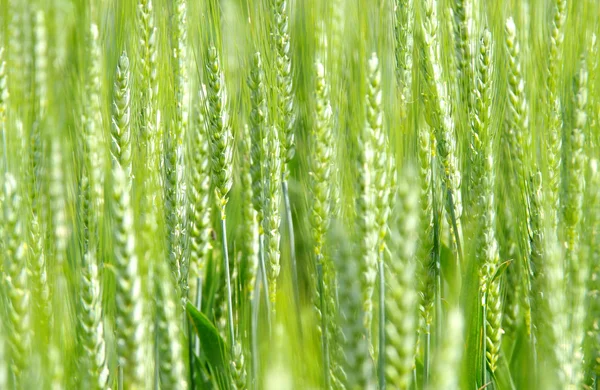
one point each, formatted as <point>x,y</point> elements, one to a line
<point>557,309</point>
<point>553,109</point>
<point>447,360</point>
<point>487,252</point>
<point>382,158</point>
<point>220,131</point>
<point>284,85</point>
<point>403,32</point>
<point>175,192</point>
<point>93,126</point>
<point>401,297</point>
<point>40,65</point>
<point>249,229</point>
<point>93,358</point>
<point>425,249</point>
<point>238,368</point>
<point>320,177</point>
<point>90,323</point>
<point>463,28</point>
<point>366,233</point>
<point>258,130</point>
<point>592,358</point>
<point>121,152</point>
<point>518,125</point>
<point>440,119</point>
<point>272,211</point>
<point>129,317</point>
<point>577,266</point>
<point>171,365</point>
<point>15,282</point>
<point>357,365</point>
<point>199,193</point>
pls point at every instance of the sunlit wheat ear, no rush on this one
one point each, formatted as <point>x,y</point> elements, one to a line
<point>93,126</point>
<point>199,192</point>
<point>577,265</point>
<point>553,109</point>
<point>40,63</point>
<point>518,123</point>
<point>404,25</point>
<point>378,138</point>
<point>175,192</point>
<point>321,162</point>
<point>272,211</point>
<point>555,289</point>
<point>40,88</point>
<point>129,316</point>
<point>238,368</point>
<point>448,357</point>
<point>15,281</point>
<point>321,173</point>
<point>437,98</point>
<point>90,323</point>
<point>120,150</point>
<point>357,365</point>
<point>480,120</point>
<point>221,145</point>
<point>593,222</point>
<point>401,299</point>
<point>483,178</point>
<point>463,29</point>
<point>58,203</point>
<point>536,220</point>
<point>284,83</point>
<point>250,229</point>
<point>258,131</point>
<point>219,130</point>
<point>171,366</point>
<point>424,253</point>
<point>366,228</point>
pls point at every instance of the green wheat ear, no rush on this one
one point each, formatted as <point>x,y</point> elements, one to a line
<point>401,299</point>
<point>129,317</point>
<point>16,281</point>
<point>357,366</point>
<point>220,130</point>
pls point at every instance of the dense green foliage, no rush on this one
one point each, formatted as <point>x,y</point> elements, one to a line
<point>299,194</point>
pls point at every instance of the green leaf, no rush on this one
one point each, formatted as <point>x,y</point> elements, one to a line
<point>501,268</point>
<point>213,347</point>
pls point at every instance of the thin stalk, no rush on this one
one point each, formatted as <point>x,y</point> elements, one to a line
<point>484,372</point>
<point>324,343</point>
<point>381,363</point>
<point>254,325</point>
<point>265,283</point>
<point>120,379</point>
<point>198,298</point>
<point>293,263</point>
<point>426,358</point>
<point>190,354</point>
<point>227,276</point>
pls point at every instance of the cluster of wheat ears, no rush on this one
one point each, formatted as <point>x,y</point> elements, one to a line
<point>299,194</point>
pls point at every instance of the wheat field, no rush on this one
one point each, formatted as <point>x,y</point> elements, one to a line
<point>299,194</point>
